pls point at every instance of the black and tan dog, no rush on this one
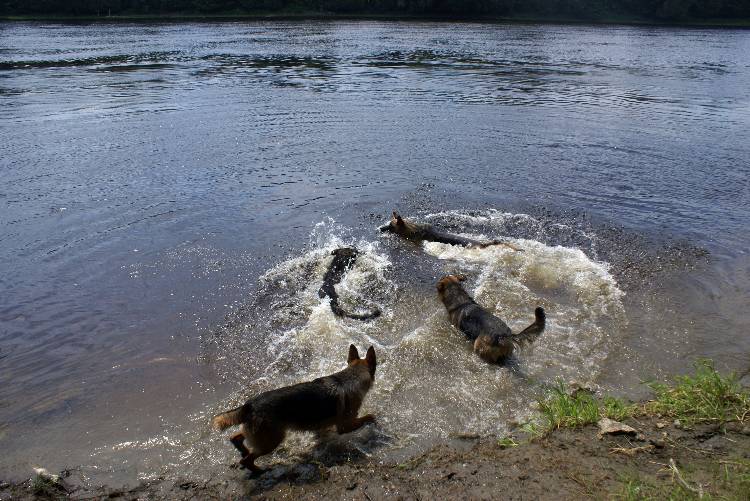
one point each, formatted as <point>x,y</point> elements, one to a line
<point>324,402</point>
<point>492,338</point>
<point>420,232</point>
<point>343,260</point>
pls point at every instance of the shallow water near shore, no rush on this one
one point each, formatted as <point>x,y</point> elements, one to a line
<point>171,193</point>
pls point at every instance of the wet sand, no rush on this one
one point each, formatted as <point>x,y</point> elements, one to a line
<point>567,464</point>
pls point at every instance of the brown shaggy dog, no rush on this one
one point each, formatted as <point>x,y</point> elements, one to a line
<point>492,338</point>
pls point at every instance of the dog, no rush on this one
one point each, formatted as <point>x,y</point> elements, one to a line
<point>419,232</point>
<point>492,338</point>
<point>343,259</point>
<point>311,406</point>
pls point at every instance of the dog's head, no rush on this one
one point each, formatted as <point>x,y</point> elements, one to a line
<point>395,225</point>
<point>448,281</point>
<point>369,361</point>
<point>345,252</point>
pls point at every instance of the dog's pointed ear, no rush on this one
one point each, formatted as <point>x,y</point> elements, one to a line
<point>371,360</point>
<point>353,354</point>
<point>398,218</point>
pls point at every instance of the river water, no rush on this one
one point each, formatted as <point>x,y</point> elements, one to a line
<point>170,195</point>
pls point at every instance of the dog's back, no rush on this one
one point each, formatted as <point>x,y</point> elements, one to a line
<point>425,232</point>
<point>315,404</point>
<point>304,406</point>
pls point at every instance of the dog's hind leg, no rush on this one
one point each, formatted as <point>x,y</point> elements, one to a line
<point>263,441</point>
<point>238,441</point>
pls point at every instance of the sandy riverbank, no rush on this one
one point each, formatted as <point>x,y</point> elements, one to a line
<point>691,442</point>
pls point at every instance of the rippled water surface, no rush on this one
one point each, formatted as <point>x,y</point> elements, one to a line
<point>170,195</point>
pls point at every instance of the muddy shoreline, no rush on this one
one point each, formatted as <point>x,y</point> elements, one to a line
<point>662,458</point>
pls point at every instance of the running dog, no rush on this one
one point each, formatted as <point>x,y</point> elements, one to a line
<point>343,260</point>
<point>419,232</point>
<point>492,338</point>
<point>324,402</point>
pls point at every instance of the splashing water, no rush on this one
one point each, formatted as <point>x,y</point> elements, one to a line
<point>429,383</point>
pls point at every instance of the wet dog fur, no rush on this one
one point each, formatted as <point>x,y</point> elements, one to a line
<point>311,406</point>
<point>420,232</point>
<point>343,260</point>
<point>492,338</point>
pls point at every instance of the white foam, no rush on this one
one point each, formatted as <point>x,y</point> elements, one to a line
<point>580,296</point>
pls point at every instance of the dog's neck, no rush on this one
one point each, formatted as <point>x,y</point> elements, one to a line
<point>455,298</point>
<point>460,306</point>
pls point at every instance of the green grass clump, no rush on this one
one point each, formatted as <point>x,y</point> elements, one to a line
<point>614,408</point>
<point>44,486</point>
<point>533,429</point>
<point>704,397</point>
<point>507,442</point>
<point>562,410</point>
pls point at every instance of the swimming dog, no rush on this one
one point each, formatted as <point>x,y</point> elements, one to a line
<point>419,232</point>
<point>343,259</point>
<point>324,402</point>
<point>492,338</point>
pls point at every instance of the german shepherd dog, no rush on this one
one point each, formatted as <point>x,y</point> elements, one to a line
<point>419,232</point>
<point>343,259</point>
<point>492,338</point>
<point>324,402</point>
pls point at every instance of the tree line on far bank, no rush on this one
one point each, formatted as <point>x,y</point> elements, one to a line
<point>658,10</point>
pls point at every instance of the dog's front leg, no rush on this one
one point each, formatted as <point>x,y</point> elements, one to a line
<point>354,423</point>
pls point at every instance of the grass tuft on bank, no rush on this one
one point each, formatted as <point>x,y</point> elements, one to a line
<point>45,487</point>
<point>702,397</point>
<point>562,409</point>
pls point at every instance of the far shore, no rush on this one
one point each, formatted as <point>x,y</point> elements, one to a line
<point>326,16</point>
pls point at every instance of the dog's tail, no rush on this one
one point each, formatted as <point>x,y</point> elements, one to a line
<point>501,242</point>
<point>530,333</point>
<point>340,312</point>
<point>231,418</point>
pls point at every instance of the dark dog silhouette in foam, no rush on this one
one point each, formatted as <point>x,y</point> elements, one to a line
<point>343,260</point>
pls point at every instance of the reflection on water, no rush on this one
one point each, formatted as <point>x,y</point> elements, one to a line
<point>167,193</point>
